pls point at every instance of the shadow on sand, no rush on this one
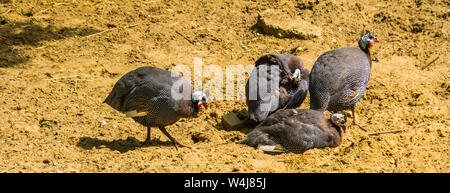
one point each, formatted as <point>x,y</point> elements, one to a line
<point>120,145</point>
<point>17,36</point>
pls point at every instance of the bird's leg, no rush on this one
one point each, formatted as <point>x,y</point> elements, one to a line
<point>174,142</point>
<point>355,120</point>
<point>147,139</point>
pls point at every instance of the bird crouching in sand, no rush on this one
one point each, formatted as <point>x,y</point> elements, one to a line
<point>296,130</point>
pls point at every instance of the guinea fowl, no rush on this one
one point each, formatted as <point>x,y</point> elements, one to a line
<point>339,77</point>
<point>286,79</point>
<point>296,130</point>
<point>155,98</point>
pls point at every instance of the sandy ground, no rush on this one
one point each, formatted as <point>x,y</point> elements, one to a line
<point>60,59</point>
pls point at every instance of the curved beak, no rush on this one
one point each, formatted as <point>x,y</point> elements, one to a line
<point>200,104</point>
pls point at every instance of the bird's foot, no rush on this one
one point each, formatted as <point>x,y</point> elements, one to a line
<point>361,127</point>
<point>355,121</point>
<point>176,144</point>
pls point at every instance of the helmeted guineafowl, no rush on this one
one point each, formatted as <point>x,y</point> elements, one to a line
<point>155,98</point>
<point>339,77</point>
<point>296,130</point>
<point>286,80</point>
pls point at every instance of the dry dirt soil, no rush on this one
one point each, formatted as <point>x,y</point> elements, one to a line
<point>60,59</point>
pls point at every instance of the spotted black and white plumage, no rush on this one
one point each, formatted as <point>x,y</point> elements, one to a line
<point>288,92</point>
<point>296,130</point>
<point>339,77</point>
<point>153,97</point>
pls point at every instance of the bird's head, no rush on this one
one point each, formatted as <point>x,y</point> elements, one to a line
<point>367,41</point>
<point>199,98</point>
<point>296,77</point>
<point>339,120</point>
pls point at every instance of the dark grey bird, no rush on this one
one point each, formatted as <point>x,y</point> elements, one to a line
<point>296,130</point>
<point>339,77</point>
<point>277,82</point>
<point>155,98</point>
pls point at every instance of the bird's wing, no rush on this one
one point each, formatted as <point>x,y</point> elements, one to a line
<point>268,131</point>
<point>298,96</point>
<point>136,88</point>
<point>309,136</point>
<point>262,94</point>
